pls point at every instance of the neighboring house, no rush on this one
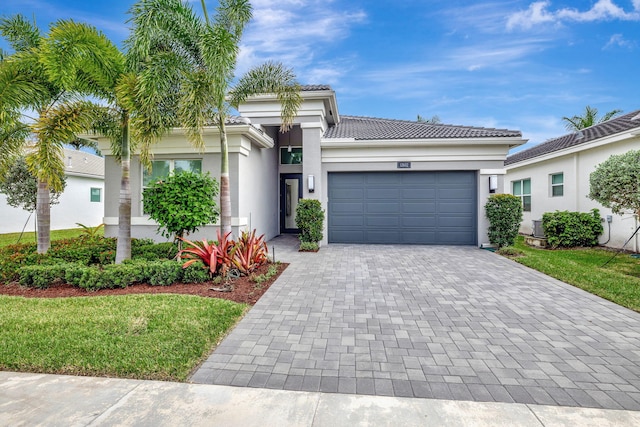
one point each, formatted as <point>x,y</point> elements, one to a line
<point>379,180</point>
<point>82,200</point>
<point>555,175</point>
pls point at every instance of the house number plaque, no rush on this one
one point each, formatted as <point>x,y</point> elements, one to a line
<point>404,165</point>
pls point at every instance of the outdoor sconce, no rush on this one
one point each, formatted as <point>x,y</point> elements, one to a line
<point>493,183</point>
<point>311,183</point>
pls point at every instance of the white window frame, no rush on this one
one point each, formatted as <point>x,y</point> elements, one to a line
<point>522,194</point>
<point>552,186</point>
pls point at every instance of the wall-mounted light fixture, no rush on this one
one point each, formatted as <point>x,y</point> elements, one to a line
<point>493,183</point>
<point>311,183</point>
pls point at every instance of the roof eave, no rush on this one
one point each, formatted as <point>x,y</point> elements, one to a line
<point>353,142</point>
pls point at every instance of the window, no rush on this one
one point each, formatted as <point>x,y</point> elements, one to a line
<point>557,185</point>
<point>96,194</point>
<point>293,157</point>
<point>522,189</point>
<point>163,168</point>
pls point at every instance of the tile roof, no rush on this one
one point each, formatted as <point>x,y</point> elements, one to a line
<point>601,130</point>
<point>82,163</point>
<point>368,128</point>
<point>305,88</point>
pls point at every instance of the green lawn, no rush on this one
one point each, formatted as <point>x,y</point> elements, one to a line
<point>619,281</point>
<point>30,237</point>
<point>162,337</point>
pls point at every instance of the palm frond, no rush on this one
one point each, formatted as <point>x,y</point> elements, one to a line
<point>270,78</point>
<point>21,34</point>
<point>233,16</point>
<point>13,134</point>
<point>82,59</point>
<point>21,86</point>
<point>57,127</point>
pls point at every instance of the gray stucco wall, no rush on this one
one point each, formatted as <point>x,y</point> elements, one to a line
<point>258,190</point>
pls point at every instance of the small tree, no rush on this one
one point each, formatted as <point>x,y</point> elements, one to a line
<point>310,220</point>
<point>616,183</point>
<point>21,187</point>
<point>182,203</point>
<point>504,212</point>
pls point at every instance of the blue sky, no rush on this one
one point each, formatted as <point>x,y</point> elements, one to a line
<point>516,64</point>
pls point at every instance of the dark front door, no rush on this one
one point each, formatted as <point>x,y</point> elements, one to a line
<point>290,193</point>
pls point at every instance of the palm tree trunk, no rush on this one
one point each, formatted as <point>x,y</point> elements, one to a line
<point>43,216</point>
<point>123,248</point>
<point>225,191</point>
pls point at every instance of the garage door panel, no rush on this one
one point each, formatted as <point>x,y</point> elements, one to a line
<point>420,222</point>
<point>383,221</point>
<point>453,208</point>
<point>344,207</point>
<point>466,222</point>
<point>418,193</point>
<point>412,207</point>
<point>348,220</point>
<point>382,193</point>
<point>348,194</point>
<point>425,207</point>
<point>419,179</point>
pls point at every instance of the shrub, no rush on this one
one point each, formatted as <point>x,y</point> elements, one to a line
<point>156,251</point>
<point>196,273</point>
<point>309,247</point>
<point>310,219</point>
<point>570,229</point>
<point>182,202</point>
<point>249,252</point>
<point>261,278</point>
<point>616,183</point>
<point>509,251</point>
<point>41,276</point>
<point>504,212</point>
<point>163,273</point>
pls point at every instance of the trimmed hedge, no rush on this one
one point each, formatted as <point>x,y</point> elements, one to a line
<point>504,212</point>
<point>92,278</point>
<point>570,229</point>
<point>310,219</point>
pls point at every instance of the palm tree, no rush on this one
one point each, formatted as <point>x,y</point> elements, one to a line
<point>200,56</point>
<point>588,119</point>
<point>128,124</point>
<point>34,99</point>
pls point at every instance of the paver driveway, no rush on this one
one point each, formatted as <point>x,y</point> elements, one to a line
<point>431,321</point>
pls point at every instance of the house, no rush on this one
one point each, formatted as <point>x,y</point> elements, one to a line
<point>81,202</point>
<point>379,180</point>
<point>555,175</point>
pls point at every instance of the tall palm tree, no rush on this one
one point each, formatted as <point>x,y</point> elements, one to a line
<point>129,124</point>
<point>588,119</point>
<point>54,112</point>
<point>200,55</point>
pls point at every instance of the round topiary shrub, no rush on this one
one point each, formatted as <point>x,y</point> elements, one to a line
<point>504,212</point>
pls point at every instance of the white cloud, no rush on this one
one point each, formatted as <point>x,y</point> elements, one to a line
<point>297,32</point>
<point>618,40</point>
<point>539,13</point>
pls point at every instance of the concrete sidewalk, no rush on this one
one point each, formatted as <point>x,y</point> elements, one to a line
<point>57,400</point>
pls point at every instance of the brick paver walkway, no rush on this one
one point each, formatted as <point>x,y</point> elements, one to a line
<point>428,321</point>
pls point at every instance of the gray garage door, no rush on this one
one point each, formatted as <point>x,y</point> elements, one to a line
<point>433,208</point>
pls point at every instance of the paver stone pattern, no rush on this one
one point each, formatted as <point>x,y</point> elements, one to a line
<point>438,322</point>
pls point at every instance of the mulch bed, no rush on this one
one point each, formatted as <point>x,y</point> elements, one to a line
<point>243,289</point>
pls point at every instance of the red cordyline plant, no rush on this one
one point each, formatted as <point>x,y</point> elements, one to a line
<point>215,256</point>
<point>246,254</point>
<point>249,252</point>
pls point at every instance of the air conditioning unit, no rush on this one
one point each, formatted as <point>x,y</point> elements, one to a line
<point>538,231</point>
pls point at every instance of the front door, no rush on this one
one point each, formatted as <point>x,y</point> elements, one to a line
<point>290,193</point>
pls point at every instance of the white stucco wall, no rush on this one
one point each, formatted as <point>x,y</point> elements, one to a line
<point>576,165</point>
<point>74,207</point>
